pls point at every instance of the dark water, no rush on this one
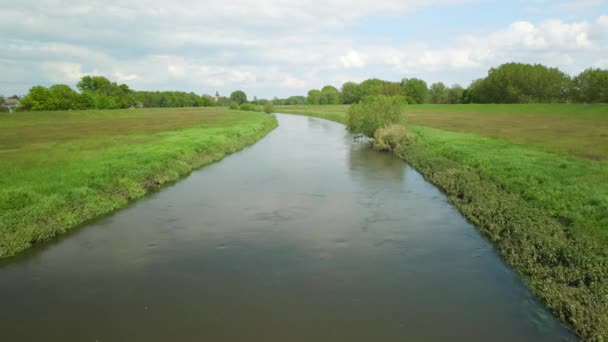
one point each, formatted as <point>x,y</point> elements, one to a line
<point>303,237</point>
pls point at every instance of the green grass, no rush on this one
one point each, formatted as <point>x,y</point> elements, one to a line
<point>570,129</point>
<point>60,169</point>
<point>541,200</point>
<point>330,112</point>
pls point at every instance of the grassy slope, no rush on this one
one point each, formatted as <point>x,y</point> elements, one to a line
<point>536,196</point>
<point>60,169</point>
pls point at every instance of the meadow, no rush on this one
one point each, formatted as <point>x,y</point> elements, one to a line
<point>61,169</point>
<point>534,179</point>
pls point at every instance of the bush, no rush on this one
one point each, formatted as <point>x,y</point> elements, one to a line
<point>250,107</point>
<point>268,108</point>
<point>374,112</point>
<point>234,105</point>
<point>390,137</point>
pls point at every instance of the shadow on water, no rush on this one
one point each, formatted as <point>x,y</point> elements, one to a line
<point>303,236</point>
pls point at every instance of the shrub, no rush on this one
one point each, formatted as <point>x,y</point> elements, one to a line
<point>374,112</point>
<point>250,107</point>
<point>234,105</point>
<point>268,108</point>
<point>390,137</point>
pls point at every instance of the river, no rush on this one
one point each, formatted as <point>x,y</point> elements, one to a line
<point>304,236</point>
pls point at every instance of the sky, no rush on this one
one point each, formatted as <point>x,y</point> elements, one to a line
<point>281,48</point>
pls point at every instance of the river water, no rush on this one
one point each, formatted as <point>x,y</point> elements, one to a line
<point>304,236</point>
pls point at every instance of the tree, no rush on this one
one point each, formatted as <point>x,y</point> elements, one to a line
<point>351,93</point>
<point>438,93</point>
<point>93,83</point>
<point>455,94</point>
<point>415,88</point>
<point>374,112</point>
<point>64,97</point>
<point>391,89</point>
<point>38,98</point>
<point>238,96</point>
<point>521,83</point>
<point>371,87</point>
<point>590,85</point>
<point>314,96</point>
<point>330,95</point>
<point>295,100</point>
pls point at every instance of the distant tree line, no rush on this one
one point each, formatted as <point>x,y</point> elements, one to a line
<point>97,92</point>
<point>508,83</point>
<point>150,99</point>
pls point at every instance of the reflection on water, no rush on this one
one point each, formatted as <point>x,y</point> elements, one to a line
<point>304,236</point>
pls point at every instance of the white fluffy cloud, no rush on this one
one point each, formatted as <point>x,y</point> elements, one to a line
<point>267,47</point>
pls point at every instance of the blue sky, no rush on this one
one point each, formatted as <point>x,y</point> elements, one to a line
<point>282,47</point>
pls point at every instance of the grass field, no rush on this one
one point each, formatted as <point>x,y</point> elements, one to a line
<point>572,129</point>
<point>534,179</point>
<point>60,169</point>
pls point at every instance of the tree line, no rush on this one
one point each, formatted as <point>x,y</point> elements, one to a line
<point>508,83</point>
<point>97,92</point>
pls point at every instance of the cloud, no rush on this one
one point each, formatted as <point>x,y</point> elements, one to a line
<point>290,81</point>
<point>579,5</point>
<point>352,60</point>
<point>269,47</point>
<point>62,72</point>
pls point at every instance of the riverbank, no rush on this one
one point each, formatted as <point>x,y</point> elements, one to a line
<point>61,169</point>
<point>534,179</point>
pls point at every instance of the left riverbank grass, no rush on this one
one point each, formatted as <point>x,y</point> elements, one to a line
<point>60,169</point>
<point>534,179</point>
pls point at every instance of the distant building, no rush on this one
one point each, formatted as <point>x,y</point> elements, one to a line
<point>11,104</point>
<point>217,96</point>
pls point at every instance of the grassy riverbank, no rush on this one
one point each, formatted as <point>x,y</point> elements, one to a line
<point>60,169</point>
<point>534,179</point>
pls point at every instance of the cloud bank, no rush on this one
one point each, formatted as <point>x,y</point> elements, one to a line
<point>267,47</point>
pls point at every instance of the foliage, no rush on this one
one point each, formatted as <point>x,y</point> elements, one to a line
<point>38,98</point>
<point>315,96</point>
<point>268,108</point>
<point>234,106</point>
<point>62,168</point>
<point>250,107</point>
<point>391,137</point>
<point>168,99</point>
<point>238,96</point>
<point>508,83</point>
<point>455,94</point>
<point>294,100</point>
<point>438,93</point>
<point>521,83</point>
<point>374,112</point>
<point>415,88</point>
<point>97,92</point>
<point>351,93</point>
<point>371,87</point>
<point>330,95</point>
<point>590,85</point>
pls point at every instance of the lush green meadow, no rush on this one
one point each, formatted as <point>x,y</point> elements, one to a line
<point>579,130</point>
<point>534,179</point>
<point>60,169</point>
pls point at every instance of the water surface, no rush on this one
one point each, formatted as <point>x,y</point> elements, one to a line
<point>305,236</point>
